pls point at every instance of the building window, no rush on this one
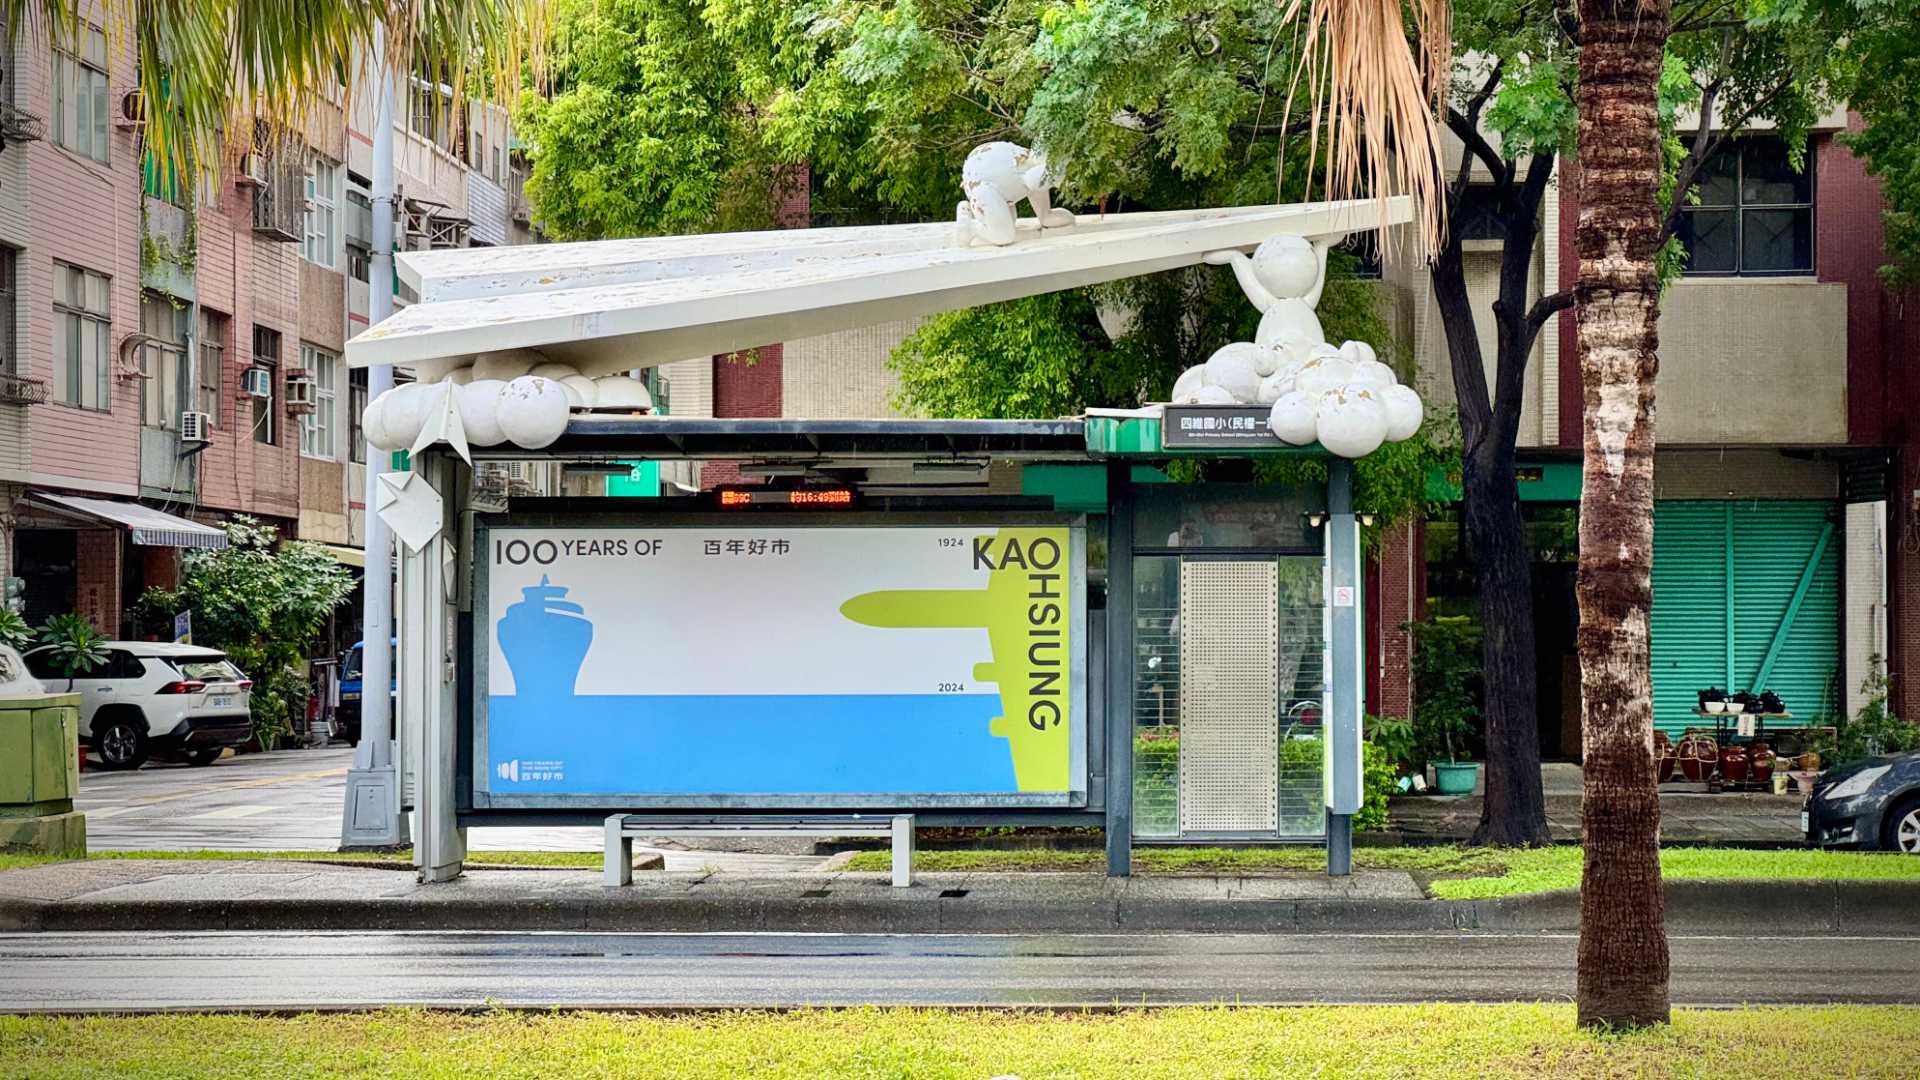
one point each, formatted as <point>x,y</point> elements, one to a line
<point>356,405</point>
<point>9,293</point>
<point>359,260</point>
<point>1755,214</point>
<point>323,195</point>
<point>82,337</point>
<point>430,113</point>
<point>266,357</point>
<point>163,321</point>
<point>80,95</point>
<point>317,427</point>
<point>213,361</point>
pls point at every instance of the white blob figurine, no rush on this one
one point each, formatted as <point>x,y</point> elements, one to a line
<point>1284,279</point>
<point>996,176</point>
<point>533,412</point>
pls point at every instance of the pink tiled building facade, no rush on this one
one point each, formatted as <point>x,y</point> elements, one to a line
<point>179,347</point>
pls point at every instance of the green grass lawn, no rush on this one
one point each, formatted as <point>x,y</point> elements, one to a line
<point>1455,873</point>
<point>924,1044</point>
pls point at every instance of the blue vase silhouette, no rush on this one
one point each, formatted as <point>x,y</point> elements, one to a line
<point>545,641</point>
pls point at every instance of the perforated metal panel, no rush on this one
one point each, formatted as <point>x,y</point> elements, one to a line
<point>1229,696</point>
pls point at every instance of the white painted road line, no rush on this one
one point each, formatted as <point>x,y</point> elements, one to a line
<point>228,813</point>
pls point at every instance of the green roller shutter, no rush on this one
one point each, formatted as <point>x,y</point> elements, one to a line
<point>1746,596</point>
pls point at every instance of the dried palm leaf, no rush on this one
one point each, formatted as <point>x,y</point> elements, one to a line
<point>1377,95</point>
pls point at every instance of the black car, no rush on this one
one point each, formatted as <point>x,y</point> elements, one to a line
<point>1872,804</point>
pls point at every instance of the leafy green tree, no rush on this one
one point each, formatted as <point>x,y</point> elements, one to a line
<point>646,129</point>
<point>263,602</point>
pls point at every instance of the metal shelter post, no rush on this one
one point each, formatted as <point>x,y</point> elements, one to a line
<point>427,642</point>
<point>1346,689</point>
<point>1119,673</point>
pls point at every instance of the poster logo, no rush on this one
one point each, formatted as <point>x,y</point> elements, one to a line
<point>1023,609</point>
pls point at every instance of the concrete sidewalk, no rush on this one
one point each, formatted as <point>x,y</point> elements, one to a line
<point>1689,815</point>
<point>183,895</point>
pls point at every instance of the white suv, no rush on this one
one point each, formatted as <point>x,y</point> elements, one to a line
<point>153,697</point>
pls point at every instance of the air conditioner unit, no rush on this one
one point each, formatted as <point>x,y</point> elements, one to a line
<point>257,382</point>
<point>133,111</point>
<point>196,427</point>
<point>302,394</point>
<point>253,171</point>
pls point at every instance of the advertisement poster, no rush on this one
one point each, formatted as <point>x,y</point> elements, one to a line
<point>818,662</point>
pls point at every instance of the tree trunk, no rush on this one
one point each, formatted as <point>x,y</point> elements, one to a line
<point>1514,812</point>
<point>1623,962</point>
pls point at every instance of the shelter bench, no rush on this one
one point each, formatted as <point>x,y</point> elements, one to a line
<point>622,828</point>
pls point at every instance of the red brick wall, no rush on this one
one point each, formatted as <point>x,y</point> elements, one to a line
<point>1571,409</point>
<point>748,384</point>
<point>1398,575</point>
<point>1883,386</point>
<point>96,593</point>
<point>160,567</point>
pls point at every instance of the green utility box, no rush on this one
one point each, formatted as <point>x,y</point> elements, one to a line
<point>40,775</point>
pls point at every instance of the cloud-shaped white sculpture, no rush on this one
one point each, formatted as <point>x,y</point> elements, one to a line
<point>506,364</point>
<point>1404,412</point>
<point>1294,418</point>
<point>621,392</point>
<point>1236,368</point>
<point>1352,422</point>
<point>405,413</point>
<point>479,404</point>
<point>533,412</point>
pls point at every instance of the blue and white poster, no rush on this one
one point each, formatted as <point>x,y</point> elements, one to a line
<point>804,665</point>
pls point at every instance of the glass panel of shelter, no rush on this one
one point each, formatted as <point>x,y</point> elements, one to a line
<point>1178,523</point>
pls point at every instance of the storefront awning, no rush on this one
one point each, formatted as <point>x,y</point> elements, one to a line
<point>346,556</point>
<point>149,527</point>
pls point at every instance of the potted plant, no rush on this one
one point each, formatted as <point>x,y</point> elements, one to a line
<point>1446,706</point>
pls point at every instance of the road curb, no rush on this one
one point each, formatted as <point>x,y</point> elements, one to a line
<point>1693,907</point>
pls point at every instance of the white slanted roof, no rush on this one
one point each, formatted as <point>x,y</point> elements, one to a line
<point>612,305</point>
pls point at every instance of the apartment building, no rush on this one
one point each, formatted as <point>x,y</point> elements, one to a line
<point>1787,516</point>
<point>170,353</point>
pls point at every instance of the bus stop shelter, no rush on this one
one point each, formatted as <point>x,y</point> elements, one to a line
<point>982,622</point>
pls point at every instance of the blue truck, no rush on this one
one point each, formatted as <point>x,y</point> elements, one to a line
<point>347,716</point>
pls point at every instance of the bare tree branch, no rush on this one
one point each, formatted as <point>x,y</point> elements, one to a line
<point>1547,307</point>
<point>1477,147</point>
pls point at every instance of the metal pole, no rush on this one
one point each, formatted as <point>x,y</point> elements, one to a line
<point>371,816</point>
<point>1120,653</point>
<point>1346,690</point>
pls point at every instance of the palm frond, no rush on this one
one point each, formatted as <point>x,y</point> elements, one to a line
<point>209,68</point>
<point>1374,97</point>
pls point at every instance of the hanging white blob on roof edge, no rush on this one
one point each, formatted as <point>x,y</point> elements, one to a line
<point>1341,397</point>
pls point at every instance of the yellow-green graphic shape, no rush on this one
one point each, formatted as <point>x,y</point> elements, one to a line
<point>1035,708</point>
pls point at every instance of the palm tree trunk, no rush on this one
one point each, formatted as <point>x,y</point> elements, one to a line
<point>1623,963</point>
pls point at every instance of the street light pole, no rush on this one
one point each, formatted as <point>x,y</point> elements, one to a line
<point>371,817</point>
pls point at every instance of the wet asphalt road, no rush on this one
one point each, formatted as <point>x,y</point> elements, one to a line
<point>298,970</point>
